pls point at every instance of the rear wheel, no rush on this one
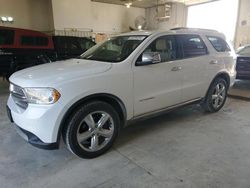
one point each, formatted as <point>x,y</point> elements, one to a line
<point>92,129</point>
<point>216,96</point>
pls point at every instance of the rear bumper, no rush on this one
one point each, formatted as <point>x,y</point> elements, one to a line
<point>31,138</point>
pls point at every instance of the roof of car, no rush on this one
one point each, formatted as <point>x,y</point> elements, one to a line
<point>23,30</point>
<point>176,31</point>
<point>246,45</point>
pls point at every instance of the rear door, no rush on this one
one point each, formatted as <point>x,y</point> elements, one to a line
<point>194,60</point>
<point>222,58</point>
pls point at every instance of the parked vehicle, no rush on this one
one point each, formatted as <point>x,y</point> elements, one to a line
<point>243,63</point>
<point>89,99</point>
<point>22,48</point>
<point>67,47</point>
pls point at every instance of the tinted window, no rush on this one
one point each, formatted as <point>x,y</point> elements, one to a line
<point>74,45</point>
<point>6,37</point>
<point>86,44</point>
<point>219,44</point>
<point>42,41</point>
<point>60,43</point>
<point>192,45</point>
<point>34,41</point>
<point>67,43</point>
<point>166,46</point>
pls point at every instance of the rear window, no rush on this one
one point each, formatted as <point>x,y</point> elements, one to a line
<point>192,45</point>
<point>219,44</point>
<point>34,41</point>
<point>6,37</point>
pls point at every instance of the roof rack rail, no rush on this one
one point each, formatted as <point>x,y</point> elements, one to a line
<point>187,28</point>
<point>178,28</point>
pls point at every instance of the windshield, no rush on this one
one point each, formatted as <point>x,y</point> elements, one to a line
<point>244,51</point>
<point>115,49</point>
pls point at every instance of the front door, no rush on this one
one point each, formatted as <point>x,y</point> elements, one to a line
<point>157,86</point>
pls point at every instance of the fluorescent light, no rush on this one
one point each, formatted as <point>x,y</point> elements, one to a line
<point>128,5</point>
<point>4,19</point>
<point>10,19</point>
<point>7,19</point>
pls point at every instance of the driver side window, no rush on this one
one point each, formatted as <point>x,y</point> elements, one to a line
<point>166,46</point>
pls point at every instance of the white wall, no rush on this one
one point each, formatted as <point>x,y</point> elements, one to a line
<point>30,14</point>
<point>100,17</point>
<point>243,31</point>
<point>178,17</point>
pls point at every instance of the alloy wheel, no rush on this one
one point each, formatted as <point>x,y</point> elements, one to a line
<point>95,131</point>
<point>219,95</point>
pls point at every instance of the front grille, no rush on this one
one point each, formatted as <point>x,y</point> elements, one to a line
<point>19,96</point>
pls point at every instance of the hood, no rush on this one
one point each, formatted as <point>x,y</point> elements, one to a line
<point>56,72</point>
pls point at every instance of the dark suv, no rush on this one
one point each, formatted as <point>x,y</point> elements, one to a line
<point>243,63</point>
<point>22,48</point>
<point>67,47</point>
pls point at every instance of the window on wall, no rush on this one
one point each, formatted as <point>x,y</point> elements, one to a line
<point>218,15</point>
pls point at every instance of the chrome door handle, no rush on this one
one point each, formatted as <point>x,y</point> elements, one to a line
<point>213,62</point>
<point>176,69</point>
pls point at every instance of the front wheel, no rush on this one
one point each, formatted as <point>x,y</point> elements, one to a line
<point>216,96</point>
<point>92,129</point>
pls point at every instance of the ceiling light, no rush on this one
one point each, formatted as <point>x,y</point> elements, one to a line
<point>128,5</point>
<point>10,19</point>
<point>7,19</point>
<point>4,19</point>
<point>139,27</point>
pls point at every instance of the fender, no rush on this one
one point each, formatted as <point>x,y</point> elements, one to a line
<point>99,96</point>
<point>222,74</point>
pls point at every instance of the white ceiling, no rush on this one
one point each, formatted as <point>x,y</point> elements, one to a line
<point>152,3</point>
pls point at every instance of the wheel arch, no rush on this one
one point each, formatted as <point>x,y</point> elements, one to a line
<point>113,100</point>
<point>223,75</point>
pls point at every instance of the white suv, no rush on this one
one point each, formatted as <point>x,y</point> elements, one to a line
<point>87,100</point>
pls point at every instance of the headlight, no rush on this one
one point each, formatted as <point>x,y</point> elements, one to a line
<point>42,95</point>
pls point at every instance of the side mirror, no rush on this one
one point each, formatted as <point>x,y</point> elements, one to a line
<point>150,58</point>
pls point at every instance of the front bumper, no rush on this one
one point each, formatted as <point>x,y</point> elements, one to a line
<point>31,138</point>
<point>39,123</point>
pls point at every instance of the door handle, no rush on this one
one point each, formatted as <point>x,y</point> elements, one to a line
<point>176,69</point>
<point>213,62</point>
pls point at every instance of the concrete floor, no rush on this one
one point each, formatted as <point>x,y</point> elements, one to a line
<point>182,149</point>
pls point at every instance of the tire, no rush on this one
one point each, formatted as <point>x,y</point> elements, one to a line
<point>92,129</point>
<point>216,96</point>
